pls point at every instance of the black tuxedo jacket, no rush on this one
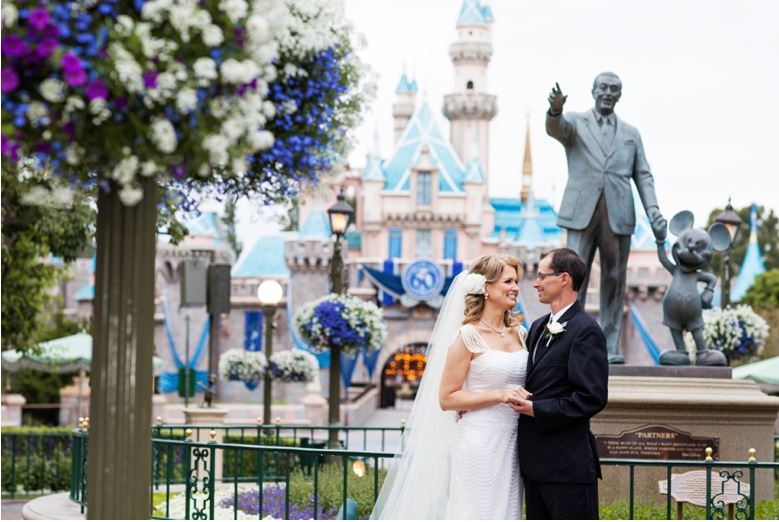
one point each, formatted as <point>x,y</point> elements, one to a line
<point>569,382</point>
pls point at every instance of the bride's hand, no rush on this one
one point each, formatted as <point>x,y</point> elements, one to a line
<point>518,393</point>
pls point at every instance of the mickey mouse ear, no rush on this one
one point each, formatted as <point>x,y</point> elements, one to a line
<point>720,237</point>
<point>681,222</point>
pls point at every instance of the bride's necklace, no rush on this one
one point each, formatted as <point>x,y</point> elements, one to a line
<point>500,332</point>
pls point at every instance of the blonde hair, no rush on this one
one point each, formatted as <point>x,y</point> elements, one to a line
<point>491,267</point>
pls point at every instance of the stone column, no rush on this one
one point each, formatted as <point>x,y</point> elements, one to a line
<point>12,409</point>
<point>119,457</point>
<point>208,417</point>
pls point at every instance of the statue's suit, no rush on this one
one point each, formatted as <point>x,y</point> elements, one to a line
<point>597,207</point>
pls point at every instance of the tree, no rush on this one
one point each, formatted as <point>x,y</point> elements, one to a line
<point>230,220</point>
<point>764,292</point>
<point>767,238</point>
<point>40,220</point>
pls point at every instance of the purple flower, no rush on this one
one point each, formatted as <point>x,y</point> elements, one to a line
<point>46,47</point>
<point>150,79</point>
<point>39,17</point>
<point>178,172</point>
<point>120,104</point>
<point>75,77</point>
<point>10,81</point>
<point>70,62</point>
<point>96,89</point>
<point>13,45</point>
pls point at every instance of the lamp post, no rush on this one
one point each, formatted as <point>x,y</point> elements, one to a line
<point>732,222</point>
<point>269,293</point>
<point>339,214</point>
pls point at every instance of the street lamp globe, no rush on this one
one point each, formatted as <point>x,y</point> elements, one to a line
<point>340,214</point>
<point>269,292</point>
<point>730,219</point>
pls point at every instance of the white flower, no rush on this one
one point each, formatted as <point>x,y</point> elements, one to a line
<point>62,196</point>
<point>212,35</point>
<point>474,284</point>
<point>205,69</point>
<point>219,107</point>
<point>186,100</point>
<point>128,70</point>
<point>258,28</point>
<point>216,145</point>
<point>53,90</point>
<point>130,196</point>
<point>124,24</point>
<point>36,196</point>
<point>149,168</point>
<point>243,365</point>
<point>261,140</point>
<point>74,103</point>
<point>293,366</point>
<point>233,71</point>
<point>37,113</point>
<point>98,107</point>
<point>124,171</point>
<point>10,14</point>
<point>234,9</point>
<point>240,166</point>
<point>269,109</point>
<point>555,328</point>
<point>164,135</point>
<point>73,154</point>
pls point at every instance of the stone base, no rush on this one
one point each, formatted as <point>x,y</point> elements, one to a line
<point>12,404</point>
<point>736,412</point>
<point>52,507</point>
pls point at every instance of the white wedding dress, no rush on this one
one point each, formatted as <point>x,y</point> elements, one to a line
<point>485,481</point>
<point>450,469</point>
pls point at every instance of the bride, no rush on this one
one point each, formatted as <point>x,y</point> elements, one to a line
<point>459,457</point>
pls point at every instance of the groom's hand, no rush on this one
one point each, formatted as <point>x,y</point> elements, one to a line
<point>523,406</point>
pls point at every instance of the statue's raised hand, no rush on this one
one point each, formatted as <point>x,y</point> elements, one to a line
<point>556,99</point>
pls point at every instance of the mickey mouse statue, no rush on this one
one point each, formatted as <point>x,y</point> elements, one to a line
<point>683,304</point>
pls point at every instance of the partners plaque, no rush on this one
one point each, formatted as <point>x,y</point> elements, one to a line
<point>656,441</point>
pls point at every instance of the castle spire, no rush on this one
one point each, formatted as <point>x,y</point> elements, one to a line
<point>527,168</point>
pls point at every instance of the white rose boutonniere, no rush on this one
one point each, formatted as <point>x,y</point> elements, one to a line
<point>553,329</point>
<point>474,284</point>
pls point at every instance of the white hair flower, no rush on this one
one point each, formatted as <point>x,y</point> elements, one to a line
<point>475,284</point>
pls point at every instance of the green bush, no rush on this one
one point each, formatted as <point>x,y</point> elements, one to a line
<point>35,460</point>
<point>275,465</point>
<point>330,488</point>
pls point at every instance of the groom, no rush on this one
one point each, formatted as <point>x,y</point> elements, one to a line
<point>568,375</point>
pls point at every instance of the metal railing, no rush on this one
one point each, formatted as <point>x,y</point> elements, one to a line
<point>35,463</point>
<point>286,481</point>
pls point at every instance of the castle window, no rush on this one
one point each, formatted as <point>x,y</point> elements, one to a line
<point>424,246</point>
<point>469,85</point>
<point>395,242</point>
<point>450,244</point>
<point>424,188</point>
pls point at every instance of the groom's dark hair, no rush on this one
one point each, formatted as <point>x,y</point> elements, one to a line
<point>566,260</point>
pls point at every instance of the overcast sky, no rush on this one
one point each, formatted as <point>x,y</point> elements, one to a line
<point>700,82</point>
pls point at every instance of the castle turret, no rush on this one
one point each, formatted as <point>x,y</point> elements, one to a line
<point>470,108</point>
<point>527,169</point>
<point>404,107</point>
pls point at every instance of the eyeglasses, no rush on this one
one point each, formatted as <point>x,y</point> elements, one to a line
<point>541,276</point>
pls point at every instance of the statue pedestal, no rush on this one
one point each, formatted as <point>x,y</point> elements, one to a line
<point>207,417</point>
<point>694,400</point>
<point>12,409</point>
<point>75,401</point>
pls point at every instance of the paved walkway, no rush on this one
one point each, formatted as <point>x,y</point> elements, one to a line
<point>12,509</point>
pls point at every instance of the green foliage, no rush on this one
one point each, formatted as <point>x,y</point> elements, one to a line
<point>767,238</point>
<point>40,388</point>
<point>246,462</point>
<point>764,292</point>
<point>330,487</point>
<point>230,220</point>
<point>32,233</point>
<point>35,460</point>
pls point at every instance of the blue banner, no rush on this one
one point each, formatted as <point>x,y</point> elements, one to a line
<point>370,359</point>
<point>252,330</point>
<point>347,369</point>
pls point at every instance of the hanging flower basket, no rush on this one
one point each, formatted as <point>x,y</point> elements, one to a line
<point>247,97</point>
<point>738,331</point>
<point>342,321</point>
<point>293,366</point>
<point>239,365</point>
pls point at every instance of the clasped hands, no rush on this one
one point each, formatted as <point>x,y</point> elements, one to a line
<point>519,400</point>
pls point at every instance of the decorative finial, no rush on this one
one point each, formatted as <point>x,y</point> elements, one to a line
<point>159,419</point>
<point>212,434</point>
<point>402,423</point>
<point>188,435</point>
<point>259,421</point>
<point>709,452</point>
<point>278,420</point>
<point>752,455</point>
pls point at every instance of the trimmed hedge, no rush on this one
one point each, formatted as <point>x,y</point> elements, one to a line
<point>35,460</point>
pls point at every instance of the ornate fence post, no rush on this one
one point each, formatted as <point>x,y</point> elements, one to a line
<point>119,467</point>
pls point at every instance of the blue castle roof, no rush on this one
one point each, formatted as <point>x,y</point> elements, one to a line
<point>421,132</point>
<point>753,264</point>
<point>532,224</point>
<point>473,12</point>
<point>406,86</point>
